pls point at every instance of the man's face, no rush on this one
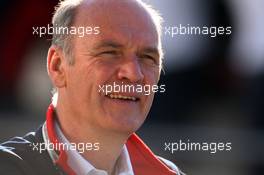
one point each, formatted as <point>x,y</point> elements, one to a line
<point>125,52</point>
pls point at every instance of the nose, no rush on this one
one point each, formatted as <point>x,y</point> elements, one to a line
<point>130,70</point>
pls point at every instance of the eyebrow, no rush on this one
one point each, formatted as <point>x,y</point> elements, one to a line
<point>108,43</point>
<point>151,50</point>
<point>114,44</point>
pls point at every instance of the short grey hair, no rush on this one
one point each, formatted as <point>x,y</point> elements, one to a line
<point>64,16</point>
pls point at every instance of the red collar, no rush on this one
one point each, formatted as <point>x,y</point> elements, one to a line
<point>62,160</point>
<point>143,161</point>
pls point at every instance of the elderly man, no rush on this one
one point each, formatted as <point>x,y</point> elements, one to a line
<point>122,46</point>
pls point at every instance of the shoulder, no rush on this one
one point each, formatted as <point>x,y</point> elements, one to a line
<point>19,156</point>
<point>11,157</point>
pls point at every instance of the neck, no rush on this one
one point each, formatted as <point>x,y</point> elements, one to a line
<point>105,150</point>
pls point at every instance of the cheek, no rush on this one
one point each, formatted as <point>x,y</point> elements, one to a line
<point>77,87</point>
<point>104,71</point>
<point>99,74</point>
<point>79,80</point>
<point>151,75</point>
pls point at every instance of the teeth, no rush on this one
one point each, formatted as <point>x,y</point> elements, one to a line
<point>122,97</point>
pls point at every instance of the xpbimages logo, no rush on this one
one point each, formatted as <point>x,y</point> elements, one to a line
<point>131,88</point>
<point>80,147</point>
<point>80,31</point>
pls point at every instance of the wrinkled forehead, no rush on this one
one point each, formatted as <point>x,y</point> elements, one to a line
<point>125,18</point>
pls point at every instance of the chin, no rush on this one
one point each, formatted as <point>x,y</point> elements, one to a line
<point>128,125</point>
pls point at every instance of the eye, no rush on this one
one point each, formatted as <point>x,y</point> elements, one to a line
<point>149,59</point>
<point>109,52</point>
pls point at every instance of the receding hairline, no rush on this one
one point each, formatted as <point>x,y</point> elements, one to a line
<point>91,5</point>
<point>76,7</point>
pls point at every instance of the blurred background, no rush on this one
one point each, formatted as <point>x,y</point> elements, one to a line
<point>214,86</point>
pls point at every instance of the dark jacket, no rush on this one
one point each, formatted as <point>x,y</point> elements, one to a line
<point>17,157</point>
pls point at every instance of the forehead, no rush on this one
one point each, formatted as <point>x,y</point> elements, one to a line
<point>123,20</point>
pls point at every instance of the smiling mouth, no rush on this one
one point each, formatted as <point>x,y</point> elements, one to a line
<point>123,97</point>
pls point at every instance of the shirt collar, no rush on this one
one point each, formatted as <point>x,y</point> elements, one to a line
<point>82,167</point>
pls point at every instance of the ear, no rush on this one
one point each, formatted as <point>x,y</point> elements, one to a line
<point>56,66</point>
